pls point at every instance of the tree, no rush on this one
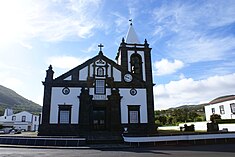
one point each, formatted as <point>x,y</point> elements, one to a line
<point>213,117</point>
<point>192,116</point>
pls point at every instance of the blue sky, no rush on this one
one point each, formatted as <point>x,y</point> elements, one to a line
<point>193,43</point>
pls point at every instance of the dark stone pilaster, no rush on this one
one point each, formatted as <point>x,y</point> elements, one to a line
<point>46,101</point>
<point>115,110</point>
<point>149,83</point>
<point>85,110</point>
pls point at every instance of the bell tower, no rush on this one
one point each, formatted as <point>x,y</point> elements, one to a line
<point>136,58</point>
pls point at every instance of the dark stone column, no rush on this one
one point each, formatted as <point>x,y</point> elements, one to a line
<point>43,128</point>
<point>85,110</point>
<point>115,110</point>
<point>149,83</point>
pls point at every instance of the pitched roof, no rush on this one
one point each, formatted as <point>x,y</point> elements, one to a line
<point>222,99</point>
<point>131,37</point>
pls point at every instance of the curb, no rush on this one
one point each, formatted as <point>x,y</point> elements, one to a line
<point>98,146</point>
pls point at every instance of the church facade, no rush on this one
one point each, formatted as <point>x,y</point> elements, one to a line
<point>102,95</point>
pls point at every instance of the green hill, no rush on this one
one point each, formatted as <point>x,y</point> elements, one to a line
<point>10,99</point>
<point>181,114</point>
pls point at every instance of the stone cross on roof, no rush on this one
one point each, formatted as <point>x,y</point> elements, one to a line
<point>100,46</point>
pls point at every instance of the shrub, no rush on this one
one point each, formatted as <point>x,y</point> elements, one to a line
<point>214,117</point>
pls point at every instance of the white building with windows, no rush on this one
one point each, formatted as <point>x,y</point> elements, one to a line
<point>223,106</point>
<point>22,120</point>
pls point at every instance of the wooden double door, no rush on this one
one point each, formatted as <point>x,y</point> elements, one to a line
<point>99,118</point>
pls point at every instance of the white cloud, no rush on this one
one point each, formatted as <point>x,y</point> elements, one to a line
<point>165,67</point>
<point>93,48</point>
<point>195,49</point>
<point>189,91</point>
<point>12,83</point>
<point>120,22</point>
<point>66,62</point>
<point>190,30</point>
<point>49,20</point>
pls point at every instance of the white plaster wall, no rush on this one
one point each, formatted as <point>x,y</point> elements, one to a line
<point>58,98</point>
<point>5,118</point>
<point>35,123</point>
<point>22,126</point>
<point>91,70</point>
<point>199,126</point>
<point>18,117</point>
<point>228,114</point>
<point>168,128</point>
<point>109,70</point>
<point>92,92</point>
<point>119,59</point>
<point>18,124</point>
<point>230,127</point>
<point>83,73</point>
<point>138,99</point>
<point>141,53</point>
<point>24,113</point>
<point>69,78</point>
<point>117,75</point>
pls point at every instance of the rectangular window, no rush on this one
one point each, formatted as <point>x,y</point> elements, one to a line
<point>35,118</point>
<point>23,119</point>
<point>232,106</point>
<point>134,117</point>
<point>100,86</point>
<point>221,108</point>
<point>213,110</point>
<point>64,114</point>
<point>133,114</point>
<point>13,118</point>
<point>64,117</point>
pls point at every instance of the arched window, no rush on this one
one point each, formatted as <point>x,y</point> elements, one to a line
<point>100,71</point>
<point>136,64</point>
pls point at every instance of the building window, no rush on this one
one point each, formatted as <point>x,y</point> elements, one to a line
<point>133,114</point>
<point>65,114</point>
<point>13,118</point>
<point>23,119</point>
<point>100,71</point>
<point>136,64</point>
<point>232,106</point>
<point>221,108</point>
<point>35,118</point>
<point>213,110</point>
<point>100,86</point>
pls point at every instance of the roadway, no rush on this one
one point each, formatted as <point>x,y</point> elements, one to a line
<point>222,150</point>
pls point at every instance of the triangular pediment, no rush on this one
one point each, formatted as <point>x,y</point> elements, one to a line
<point>83,72</point>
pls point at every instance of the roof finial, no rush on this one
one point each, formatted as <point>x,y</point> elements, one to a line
<point>100,46</point>
<point>123,40</point>
<point>130,22</point>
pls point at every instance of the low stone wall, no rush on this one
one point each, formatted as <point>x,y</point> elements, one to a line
<point>42,141</point>
<point>230,127</point>
<point>188,138</point>
<point>199,126</point>
<point>169,128</point>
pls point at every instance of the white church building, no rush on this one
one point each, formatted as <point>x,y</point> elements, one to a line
<point>223,106</point>
<point>21,121</point>
<point>102,94</point>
